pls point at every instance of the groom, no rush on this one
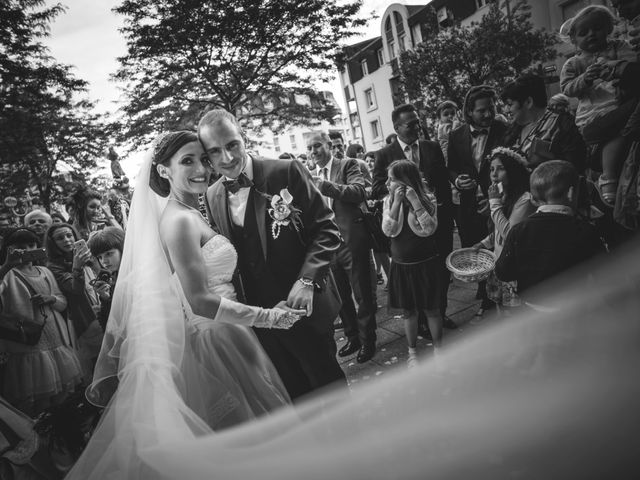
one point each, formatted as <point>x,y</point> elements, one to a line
<point>277,262</point>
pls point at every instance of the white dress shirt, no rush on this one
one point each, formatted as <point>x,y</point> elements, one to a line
<point>413,152</point>
<point>320,172</point>
<point>478,143</point>
<point>238,201</point>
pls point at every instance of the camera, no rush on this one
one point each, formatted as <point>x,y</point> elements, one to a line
<point>103,276</point>
<point>37,255</point>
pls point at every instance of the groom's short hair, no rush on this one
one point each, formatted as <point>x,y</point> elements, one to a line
<point>216,117</point>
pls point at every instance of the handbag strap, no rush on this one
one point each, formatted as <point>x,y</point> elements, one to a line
<point>20,276</point>
<point>537,128</point>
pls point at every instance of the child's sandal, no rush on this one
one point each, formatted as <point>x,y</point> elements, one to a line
<point>607,189</point>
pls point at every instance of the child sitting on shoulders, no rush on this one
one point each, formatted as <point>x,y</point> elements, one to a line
<point>592,76</point>
<point>448,119</point>
<point>551,240</point>
<point>409,219</point>
<point>106,245</point>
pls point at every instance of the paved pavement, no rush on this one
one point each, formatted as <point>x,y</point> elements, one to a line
<point>392,345</point>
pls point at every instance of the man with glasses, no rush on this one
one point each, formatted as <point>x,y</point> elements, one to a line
<point>430,160</point>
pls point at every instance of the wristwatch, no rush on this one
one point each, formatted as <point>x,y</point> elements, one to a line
<point>306,282</point>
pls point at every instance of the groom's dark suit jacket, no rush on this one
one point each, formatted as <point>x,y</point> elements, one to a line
<point>304,355</point>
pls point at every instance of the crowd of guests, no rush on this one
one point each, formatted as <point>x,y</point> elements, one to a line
<point>549,188</point>
<point>56,277</point>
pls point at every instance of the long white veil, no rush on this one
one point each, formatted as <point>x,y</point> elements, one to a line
<point>540,396</point>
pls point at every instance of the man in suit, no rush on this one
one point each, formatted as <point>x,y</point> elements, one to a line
<point>430,160</point>
<point>341,182</point>
<point>292,264</point>
<point>338,151</point>
<point>468,150</point>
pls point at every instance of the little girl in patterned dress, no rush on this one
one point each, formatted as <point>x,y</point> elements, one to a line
<point>409,219</point>
<point>35,376</point>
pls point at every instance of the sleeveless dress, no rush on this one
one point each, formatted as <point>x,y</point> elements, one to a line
<point>241,382</point>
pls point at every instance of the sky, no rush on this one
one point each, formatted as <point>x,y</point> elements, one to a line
<point>87,37</point>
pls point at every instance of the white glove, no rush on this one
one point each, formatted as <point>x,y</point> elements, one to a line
<point>241,314</point>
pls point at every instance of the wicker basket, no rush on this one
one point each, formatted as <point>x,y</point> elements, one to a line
<point>470,265</point>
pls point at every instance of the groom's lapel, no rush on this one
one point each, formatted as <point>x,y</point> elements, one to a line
<point>220,208</point>
<point>260,202</point>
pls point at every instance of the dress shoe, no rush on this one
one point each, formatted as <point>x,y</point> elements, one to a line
<point>424,332</point>
<point>349,348</point>
<point>448,323</point>
<point>366,353</point>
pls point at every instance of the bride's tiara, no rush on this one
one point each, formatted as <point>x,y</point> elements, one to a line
<point>159,144</point>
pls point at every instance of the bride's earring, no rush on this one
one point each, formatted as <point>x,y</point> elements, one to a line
<point>163,172</point>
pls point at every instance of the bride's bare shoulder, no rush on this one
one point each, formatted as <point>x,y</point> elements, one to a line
<point>177,224</point>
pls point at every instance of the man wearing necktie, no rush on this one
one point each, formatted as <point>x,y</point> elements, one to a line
<point>468,148</point>
<point>430,160</point>
<point>341,182</point>
<point>294,266</point>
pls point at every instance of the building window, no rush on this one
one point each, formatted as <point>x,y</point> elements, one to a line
<point>376,132</point>
<point>397,18</point>
<point>570,8</point>
<point>292,140</point>
<point>369,98</point>
<point>380,54</point>
<point>417,34</point>
<point>392,50</point>
<point>364,67</point>
<point>345,77</point>
<point>402,42</point>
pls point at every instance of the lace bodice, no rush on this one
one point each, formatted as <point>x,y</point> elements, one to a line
<point>220,258</point>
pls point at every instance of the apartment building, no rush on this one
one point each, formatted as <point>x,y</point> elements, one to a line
<point>370,76</point>
<point>293,139</point>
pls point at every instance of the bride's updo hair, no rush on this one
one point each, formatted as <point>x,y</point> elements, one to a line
<point>165,147</point>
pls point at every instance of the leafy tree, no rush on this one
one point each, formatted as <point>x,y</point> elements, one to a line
<point>42,125</point>
<point>492,51</point>
<point>259,59</point>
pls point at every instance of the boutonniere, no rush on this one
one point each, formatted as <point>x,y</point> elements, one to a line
<point>283,213</point>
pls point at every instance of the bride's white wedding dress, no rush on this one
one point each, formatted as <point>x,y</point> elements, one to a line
<point>242,382</point>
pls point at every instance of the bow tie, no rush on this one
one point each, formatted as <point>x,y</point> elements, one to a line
<point>233,186</point>
<point>483,131</point>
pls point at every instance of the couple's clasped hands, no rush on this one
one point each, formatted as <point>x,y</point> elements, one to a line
<point>299,304</point>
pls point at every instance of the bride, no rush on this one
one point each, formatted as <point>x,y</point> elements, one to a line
<point>176,337</point>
